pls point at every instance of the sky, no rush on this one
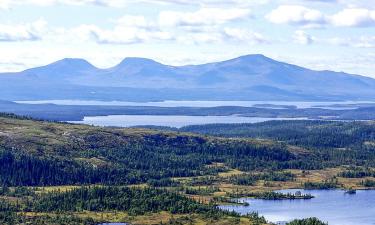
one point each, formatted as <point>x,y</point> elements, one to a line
<point>334,35</point>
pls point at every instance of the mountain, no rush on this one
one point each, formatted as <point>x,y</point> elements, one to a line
<point>249,77</point>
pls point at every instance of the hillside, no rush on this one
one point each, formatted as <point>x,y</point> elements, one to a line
<point>318,134</point>
<point>250,77</point>
<point>72,154</point>
<point>148,176</point>
<point>58,153</point>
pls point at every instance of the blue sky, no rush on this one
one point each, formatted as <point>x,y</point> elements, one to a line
<point>319,34</point>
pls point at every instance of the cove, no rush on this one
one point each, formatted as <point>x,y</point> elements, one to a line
<point>332,206</point>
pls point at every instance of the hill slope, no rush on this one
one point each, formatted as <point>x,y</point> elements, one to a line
<point>45,153</point>
<point>250,77</point>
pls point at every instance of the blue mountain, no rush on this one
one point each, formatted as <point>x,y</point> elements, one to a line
<point>249,77</point>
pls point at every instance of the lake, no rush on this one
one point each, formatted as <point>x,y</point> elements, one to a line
<point>168,103</point>
<point>170,121</point>
<point>114,224</point>
<point>332,206</point>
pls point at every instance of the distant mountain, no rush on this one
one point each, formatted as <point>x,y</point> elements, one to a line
<point>250,77</point>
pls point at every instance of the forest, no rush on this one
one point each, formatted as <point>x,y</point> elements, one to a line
<point>57,207</point>
<point>64,154</point>
<point>60,173</point>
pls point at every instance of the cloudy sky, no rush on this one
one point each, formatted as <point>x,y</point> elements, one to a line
<point>319,34</point>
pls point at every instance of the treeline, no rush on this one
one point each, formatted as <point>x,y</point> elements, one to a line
<point>368,183</point>
<point>357,172</point>
<point>328,184</point>
<point>319,134</point>
<point>309,221</point>
<point>26,170</point>
<point>59,207</point>
<point>134,201</point>
<point>16,191</point>
<point>13,218</point>
<point>199,191</point>
<point>333,143</point>
<point>251,179</point>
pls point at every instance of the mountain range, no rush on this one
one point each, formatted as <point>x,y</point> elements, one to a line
<point>249,77</point>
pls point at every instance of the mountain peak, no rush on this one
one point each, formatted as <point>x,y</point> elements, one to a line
<point>76,63</point>
<point>67,66</point>
<point>240,78</point>
<point>135,65</point>
<point>254,57</point>
<point>137,61</point>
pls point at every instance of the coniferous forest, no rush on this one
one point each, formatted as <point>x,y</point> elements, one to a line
<point>55,173</point>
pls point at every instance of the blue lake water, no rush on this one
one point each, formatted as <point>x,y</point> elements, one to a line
<point>171,121</point>
<point>332,206</point>
<point>114,224</point>
<point>298,104</point>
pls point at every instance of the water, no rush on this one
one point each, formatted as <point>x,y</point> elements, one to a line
<point>332,206</point>
<point>298,104</point>
<point>170,121</point>
<point>114,224</point>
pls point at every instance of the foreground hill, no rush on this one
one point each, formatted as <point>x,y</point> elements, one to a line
<point>45,153</point>
<point>250,77</point>
<point>145,176</point>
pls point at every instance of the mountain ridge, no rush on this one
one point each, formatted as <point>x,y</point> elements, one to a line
<point>127,59</point>
<point>240,78</point>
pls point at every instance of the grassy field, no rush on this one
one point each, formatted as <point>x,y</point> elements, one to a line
<point>155,218</point>
<point>224,189</point>
<point>301,177</point>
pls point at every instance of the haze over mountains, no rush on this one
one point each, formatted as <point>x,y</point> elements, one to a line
<point>250,77</point>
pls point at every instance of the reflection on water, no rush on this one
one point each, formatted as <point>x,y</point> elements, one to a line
<point>332,206</point>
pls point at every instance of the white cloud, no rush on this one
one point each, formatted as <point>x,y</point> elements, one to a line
<point>110,3</point>
<point>244,35</point>
<point>296,15</point>
<point>357,3</point>
<point>128,30</point>
<point>211,3</point>
<point>305,17</point>
<point>222,36</point>
<point>135,29</point>
<point>134,21</point>
<point>365,42</point>
<point>301,37</point>
<point>354,17</point>
<point>202,17</point>
<point>22,32</point>
<point>357,42</point>
<point>4,4</point>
